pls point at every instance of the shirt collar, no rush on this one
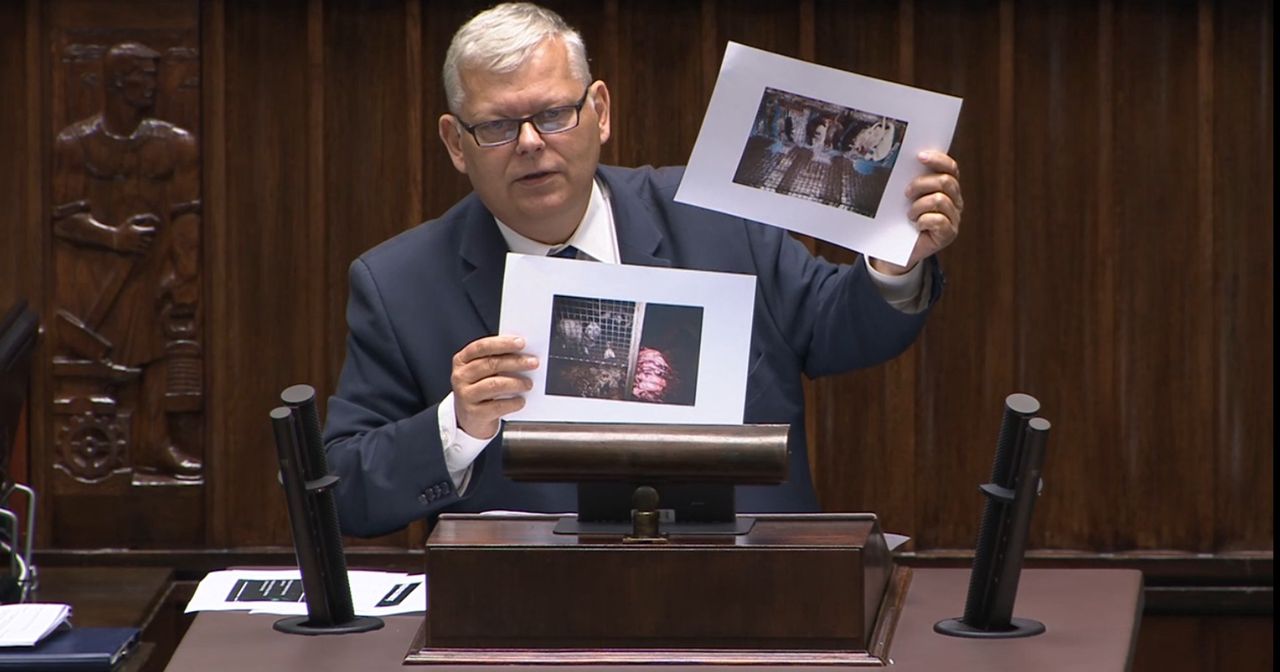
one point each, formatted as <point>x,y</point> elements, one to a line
<point>594,236</point>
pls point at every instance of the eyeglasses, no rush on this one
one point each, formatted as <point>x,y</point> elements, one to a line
<point>547,122</point>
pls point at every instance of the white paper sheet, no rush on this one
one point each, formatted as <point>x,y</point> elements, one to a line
<point>744,163</point>
<point>894,541</point>
<point>25,624</point>
<point>621,343</point>
<point>279,591</point>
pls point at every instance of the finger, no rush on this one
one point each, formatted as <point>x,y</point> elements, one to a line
<point>493,409</point>
<point>942,228</point>
<point>941,182</point>
<point>936,202</point>
<point>481,420</point>
<point>486,347</point>
<point>493,388</point>
<point>494,365</point>
<point>939,162</point>
<point>500,407</point>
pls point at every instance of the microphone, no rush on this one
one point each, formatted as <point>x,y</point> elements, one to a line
<point>313,519</point>
<point>1006,522</point>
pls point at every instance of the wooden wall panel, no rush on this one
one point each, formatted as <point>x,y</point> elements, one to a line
<point>1062,243</point>
<point>1243,165</point>
<point>269,259</point>
<point>213,44</point>
<point>442,184</point>
<point>367,122</point>
<point>840,43</point>
<point>15,230</point>
<point>1163,283</point>
<point>968,363</point>
<point>755,23</point>
<point>658,110</point>
<point>21,260</point>
<point>1200,643</point>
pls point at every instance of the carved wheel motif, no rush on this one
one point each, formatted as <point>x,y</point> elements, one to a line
<point>93,446</point>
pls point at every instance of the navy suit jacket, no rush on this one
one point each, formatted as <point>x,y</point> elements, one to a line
<point>421,296</point>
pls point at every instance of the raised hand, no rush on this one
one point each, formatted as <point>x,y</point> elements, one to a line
<point>487,383</point>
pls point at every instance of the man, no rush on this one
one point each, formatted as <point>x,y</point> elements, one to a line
<point>413,427</point>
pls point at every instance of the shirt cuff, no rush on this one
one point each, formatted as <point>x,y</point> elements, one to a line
<point>908,293</point>
<point>460,448</point>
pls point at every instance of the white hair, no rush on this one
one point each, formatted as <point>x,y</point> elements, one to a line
<point>502,38</point>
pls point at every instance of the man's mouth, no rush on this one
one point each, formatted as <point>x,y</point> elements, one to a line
<point>535,177</point>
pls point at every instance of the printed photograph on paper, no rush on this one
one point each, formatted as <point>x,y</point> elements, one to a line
<point>816,150</point>
<point>624,350</point>
<point>629,343</point>
<point>820,151</point>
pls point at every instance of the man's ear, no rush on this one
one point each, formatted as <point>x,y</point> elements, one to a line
<point>451,135</point>
<point>600,102</point>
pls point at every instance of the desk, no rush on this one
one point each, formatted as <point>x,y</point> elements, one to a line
<point>109,597</point>
<point>106,596</point>
<point>1091,615</point>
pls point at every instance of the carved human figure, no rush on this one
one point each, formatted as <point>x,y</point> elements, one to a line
<point>127,220</point>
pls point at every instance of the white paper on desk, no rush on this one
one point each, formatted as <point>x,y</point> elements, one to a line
<point>744,162</point>
<point>25,624</point>
<point>280,592</point>
<point>623,343</point>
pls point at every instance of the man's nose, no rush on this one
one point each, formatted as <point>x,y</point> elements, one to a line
<point>529,139</point>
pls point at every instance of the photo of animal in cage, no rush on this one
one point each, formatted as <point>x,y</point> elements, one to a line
<point>819,151</point>
<point>624,350</point>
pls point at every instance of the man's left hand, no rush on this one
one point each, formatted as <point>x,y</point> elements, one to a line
<point>936,206</point>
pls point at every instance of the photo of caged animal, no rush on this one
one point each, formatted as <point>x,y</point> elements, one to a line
<point>609,349</point>
<point>591,342</point>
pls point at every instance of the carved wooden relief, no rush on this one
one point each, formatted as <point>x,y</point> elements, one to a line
<point>126,326</point>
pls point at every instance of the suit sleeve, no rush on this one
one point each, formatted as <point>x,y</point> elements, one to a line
<point>833,315</point>
<point>381,436</point>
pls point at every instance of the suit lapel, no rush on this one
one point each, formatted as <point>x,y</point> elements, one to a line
<point>634,220</point>
<point>484,260</point>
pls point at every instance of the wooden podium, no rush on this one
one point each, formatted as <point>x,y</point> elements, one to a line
<point>801,589</point>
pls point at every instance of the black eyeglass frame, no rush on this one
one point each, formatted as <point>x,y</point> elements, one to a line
<point>532,119</point>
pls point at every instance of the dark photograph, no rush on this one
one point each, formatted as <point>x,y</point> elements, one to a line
<point>624,350</point>
<point>815,150</point>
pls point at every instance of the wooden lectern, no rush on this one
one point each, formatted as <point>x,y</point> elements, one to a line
<point>716,588</point>
<point>794,590</point>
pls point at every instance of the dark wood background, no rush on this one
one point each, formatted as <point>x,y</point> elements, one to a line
<point>1116,258</point>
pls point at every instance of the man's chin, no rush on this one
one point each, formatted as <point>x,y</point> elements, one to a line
<point>538,214</point>
<point>547,197</point>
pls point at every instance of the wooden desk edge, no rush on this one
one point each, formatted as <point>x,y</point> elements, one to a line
<point>877,654</point>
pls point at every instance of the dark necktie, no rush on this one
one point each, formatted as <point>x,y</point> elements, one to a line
<point>567,252</point>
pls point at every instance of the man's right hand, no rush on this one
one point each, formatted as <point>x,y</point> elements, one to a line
<point>487,383</point>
